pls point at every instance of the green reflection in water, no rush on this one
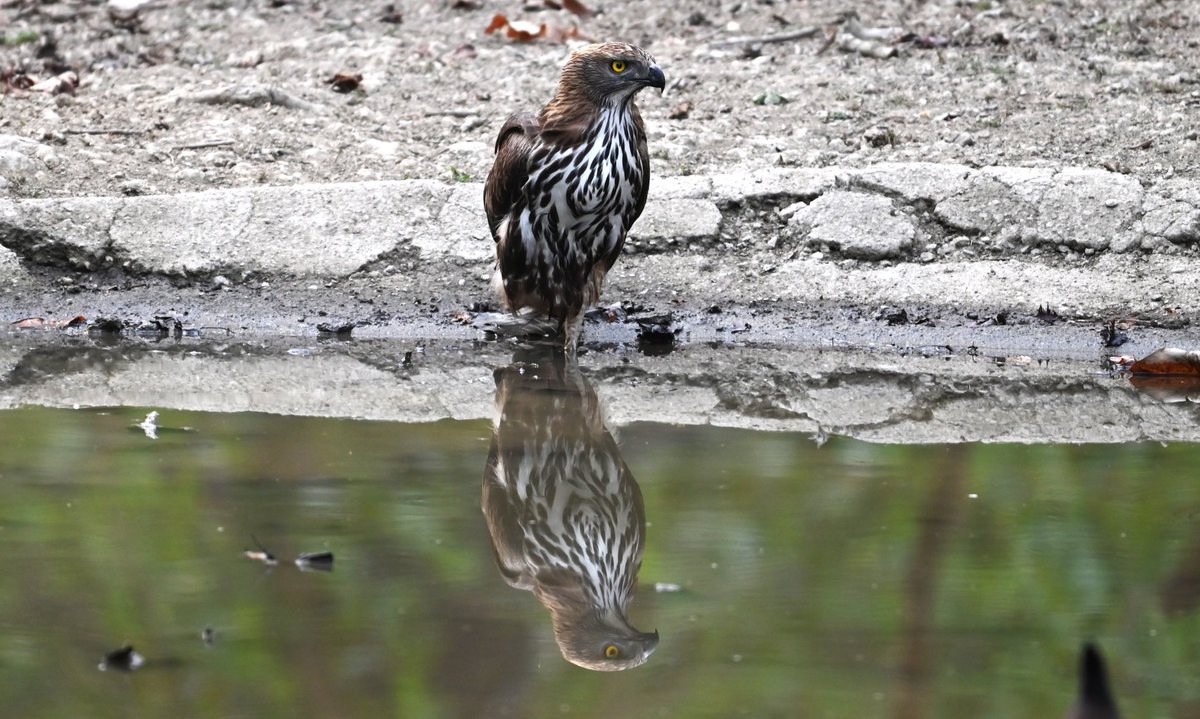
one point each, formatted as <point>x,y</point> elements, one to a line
<point>847,580</point>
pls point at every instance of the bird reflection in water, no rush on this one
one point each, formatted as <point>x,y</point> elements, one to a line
<point>564,513</point>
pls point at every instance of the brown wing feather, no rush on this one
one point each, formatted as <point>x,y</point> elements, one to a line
<point>511,168</point>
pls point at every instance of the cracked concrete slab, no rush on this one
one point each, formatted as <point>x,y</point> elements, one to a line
<point>857,225</point>
<point>11,271</point>
<point>946,237</point>
<point>914,181</point>
<point>679,219</point>
<point>461,229</point>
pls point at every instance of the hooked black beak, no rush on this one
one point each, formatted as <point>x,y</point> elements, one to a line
<point>651,640</point>
<point>655,77</point>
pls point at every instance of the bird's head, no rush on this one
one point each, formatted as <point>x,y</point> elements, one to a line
<point>593,637</point>
<point>606,646</point>
<point>611,73</point>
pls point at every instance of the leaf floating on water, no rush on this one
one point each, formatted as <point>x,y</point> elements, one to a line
<point>1168,388</point>
<point>315,562</point>
<point>39,323</point>
<point>260,553</point>
<point>1163,361</point>
<point>124,659</point>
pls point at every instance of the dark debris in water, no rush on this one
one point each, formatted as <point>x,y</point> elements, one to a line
<point>1112,335</point>
<point>260,553</point>
<point>1047,315</point>
<point>315,562</point>
<point>657,333</point>
<point>341,332</point>
<point>125,659</point>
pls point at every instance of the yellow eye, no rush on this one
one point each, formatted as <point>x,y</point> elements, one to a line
<point>617,66</point>
<point>611,651</point>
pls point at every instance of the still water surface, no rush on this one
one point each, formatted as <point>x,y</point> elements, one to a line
<point>784,578</point>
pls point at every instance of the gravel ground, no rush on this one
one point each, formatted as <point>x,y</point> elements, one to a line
<point>1034,83</point>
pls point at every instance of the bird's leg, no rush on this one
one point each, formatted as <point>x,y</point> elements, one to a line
<point>571,329</point>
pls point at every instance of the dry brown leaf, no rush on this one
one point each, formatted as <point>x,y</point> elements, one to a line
<point>65,82</point>
<point>391,15</point>
<point>41,323</point>
<point>15,79</point>
<point>577,7</point>
<point>498,21</point>
<point>680,111</point>
<point>1168,361</point>
<point>345,81</point>
<point>524,30</point>
<point>554,32</point>
<point>528,31</point>
<point>1168,388</point>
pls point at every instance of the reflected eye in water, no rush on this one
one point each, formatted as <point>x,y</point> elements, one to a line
<point>564,513</point>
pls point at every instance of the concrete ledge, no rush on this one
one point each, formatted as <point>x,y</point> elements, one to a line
<point>333,230</point>
<point>1086,243</point>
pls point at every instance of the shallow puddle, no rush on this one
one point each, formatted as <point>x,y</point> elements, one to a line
<point>784,577</point>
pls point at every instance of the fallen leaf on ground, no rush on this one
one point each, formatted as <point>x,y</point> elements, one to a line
<point>15,79</point>
<point>680,111</point>
<point>498,21</point>
<point>391,15</point>
<point>345,81</point>
<point>527,31</point>
<point>576,7</point>
<point>63,83</point>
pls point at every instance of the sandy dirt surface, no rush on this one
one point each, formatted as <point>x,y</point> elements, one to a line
<point>1071,82</point>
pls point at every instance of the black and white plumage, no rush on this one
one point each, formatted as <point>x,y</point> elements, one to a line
<point>564,513</point>
<point>568,183</point>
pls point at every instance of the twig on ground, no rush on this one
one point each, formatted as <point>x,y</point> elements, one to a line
<point>204,145</point>
<point>871,42</point>
<point>450,113</point>
<point>800,34</point>
<point>253,96</point>
<point>104,131</point>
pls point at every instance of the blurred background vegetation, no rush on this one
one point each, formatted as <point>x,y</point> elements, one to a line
<point>842,580</point>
